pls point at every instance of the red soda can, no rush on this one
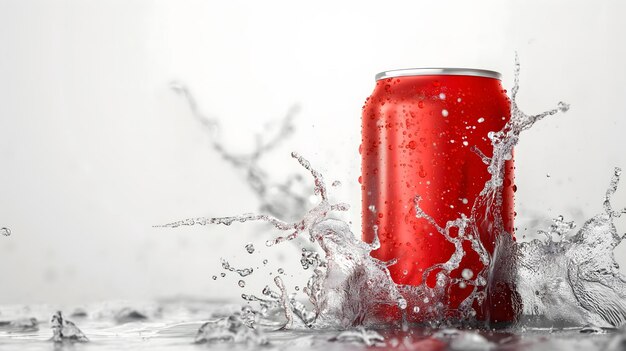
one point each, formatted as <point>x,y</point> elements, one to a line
<point>418,130</point>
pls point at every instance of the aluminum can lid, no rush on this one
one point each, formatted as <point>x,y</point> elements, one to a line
<point>438,72</point>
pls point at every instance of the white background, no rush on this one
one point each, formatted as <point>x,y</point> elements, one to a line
<point>95,148</point>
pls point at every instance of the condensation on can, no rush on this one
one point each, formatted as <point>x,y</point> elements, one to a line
<point>418,128</point>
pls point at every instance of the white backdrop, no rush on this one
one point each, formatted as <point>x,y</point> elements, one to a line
<point>95,148</point>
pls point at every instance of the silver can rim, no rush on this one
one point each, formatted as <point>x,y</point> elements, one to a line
<point>438,72</point>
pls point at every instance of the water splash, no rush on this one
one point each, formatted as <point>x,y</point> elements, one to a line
<point>573,280</point>
<point>244,272</point>
<point>312,217</point>
<point>287,199</point>
<point>346,268</point>
<point>65,331</point>
<point>560,280</point>
<point>284,302</point>
<point>360,335</point>
<point>236,328</point>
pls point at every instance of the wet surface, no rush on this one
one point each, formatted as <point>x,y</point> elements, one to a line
<point>174,324</point>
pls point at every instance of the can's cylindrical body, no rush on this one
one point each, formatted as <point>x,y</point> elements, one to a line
<point>418,128</point>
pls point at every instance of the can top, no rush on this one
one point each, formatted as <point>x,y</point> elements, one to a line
<point>438,72</point>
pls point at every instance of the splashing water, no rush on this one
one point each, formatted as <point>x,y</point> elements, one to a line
<point>286,200</point>
<point>244,272</point>
<point>361,335</point>
<point>236,328</point>
<point>65,331</point>
<point>561,280</point>
<point>569,280</point>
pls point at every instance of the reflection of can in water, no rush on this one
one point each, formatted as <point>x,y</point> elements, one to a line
<point>418,129</point>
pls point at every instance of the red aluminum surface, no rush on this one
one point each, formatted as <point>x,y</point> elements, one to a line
<point>417,132</point>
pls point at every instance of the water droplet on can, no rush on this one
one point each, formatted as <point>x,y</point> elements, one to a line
<point>444,113</point>
<point>241,284</point>
<point>467,274</point>
<point>402,303</point>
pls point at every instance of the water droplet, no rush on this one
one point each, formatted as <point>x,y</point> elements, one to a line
<point>223,275</point>
<point>405,272</point>
<point>250,248</point>
<point>442,96</point>
<point>422,173</point>
<point>360,180</point>
<point>402,303</point>
<point>5,231</point>
<point>241,284</point>
<point>462,285</point>
<point>458,100</point>
<point>465,143</point>
<point>412,145</point>
<point>467,274</point>
<point>372,208</point>
<point>420,104</point>
<point>214,277</point>
<point>416,309</point>
<point>563,107</point>
<point>464,201</point>
<point>426,300</point>
<point>281,271</point>
<point>481,120</point>
<point>548,175</point>
<point>336,183</point>
<point>264,261</point>
<point>444,113</point>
